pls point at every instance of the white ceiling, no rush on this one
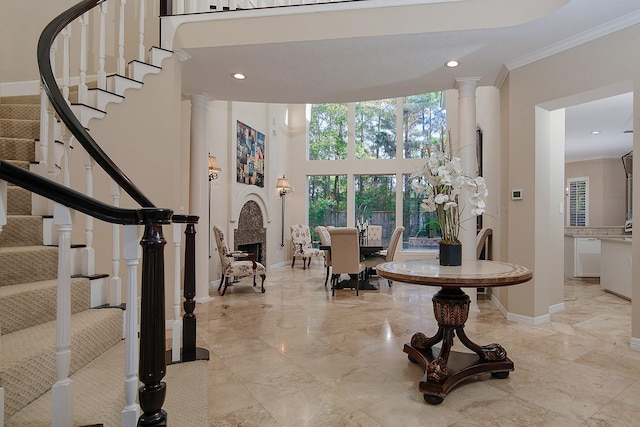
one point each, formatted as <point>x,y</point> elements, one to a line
<point>378,67</point>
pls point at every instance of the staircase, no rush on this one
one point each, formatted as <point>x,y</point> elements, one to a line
<point>28,285</point>
<point>28,302</point>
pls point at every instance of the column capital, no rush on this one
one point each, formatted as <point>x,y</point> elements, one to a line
<point>198,98</point>
<point>467,84</point>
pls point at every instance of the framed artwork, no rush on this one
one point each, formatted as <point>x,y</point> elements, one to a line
<point>250,155</point>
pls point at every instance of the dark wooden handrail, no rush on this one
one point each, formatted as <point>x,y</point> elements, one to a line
<point>152,364</point>
<point>66,196</point>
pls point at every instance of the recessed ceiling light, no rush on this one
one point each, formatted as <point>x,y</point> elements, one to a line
<point>238,76</point>
<point>595,132</point>
<point>453,63</point>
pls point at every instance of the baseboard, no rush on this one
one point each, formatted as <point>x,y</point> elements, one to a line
<point>556,308</point>
<point>525,320</point>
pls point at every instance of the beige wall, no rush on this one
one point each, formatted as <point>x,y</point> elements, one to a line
<point>552,83</point>
<point>227,195</point>
<point>607,189</point>
<point>22,22</point>
<point>142,137</point>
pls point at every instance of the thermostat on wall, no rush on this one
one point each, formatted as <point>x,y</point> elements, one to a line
<point>516,194</point>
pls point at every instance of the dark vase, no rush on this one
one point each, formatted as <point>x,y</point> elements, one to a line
<point>450,254</point>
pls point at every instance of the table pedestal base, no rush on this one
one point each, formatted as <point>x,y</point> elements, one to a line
<point>443,368</point>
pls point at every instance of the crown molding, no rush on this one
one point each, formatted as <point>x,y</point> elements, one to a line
<point>587,36</point>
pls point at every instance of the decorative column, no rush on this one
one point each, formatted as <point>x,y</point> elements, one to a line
<point>198,182</point>
<point>467,153</point>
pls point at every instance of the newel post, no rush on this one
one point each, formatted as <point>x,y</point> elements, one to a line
<point>152,318</point>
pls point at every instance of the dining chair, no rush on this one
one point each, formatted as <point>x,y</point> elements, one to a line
<point>345,256</point>
<point>232,268</point>
<point>325,240</point>
<point>302,246</point>
<point>385,255</point>
<point>374,233</point>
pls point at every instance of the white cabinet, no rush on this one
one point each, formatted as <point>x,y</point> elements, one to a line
<point>616,267</point>
<point>586,259</point>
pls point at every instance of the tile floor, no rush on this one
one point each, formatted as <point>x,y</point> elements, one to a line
<point>295,356</point>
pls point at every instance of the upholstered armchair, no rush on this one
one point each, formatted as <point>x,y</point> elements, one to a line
<point>302,246</point>
<point>232,268</point>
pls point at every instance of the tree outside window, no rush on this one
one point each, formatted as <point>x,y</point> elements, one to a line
<point>328,132</point>
<point>376,129</point>
<point>327,201</point>
<point>423,121</point>
<point>375,197</point>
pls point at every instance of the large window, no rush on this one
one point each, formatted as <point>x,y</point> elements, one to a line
<point>328,132</point>
<point>423,121</point>
<point>370,131</point>
<point>376,129</point>
<point>421,230</point>
<point>376,201</point>
<point>327,201</point>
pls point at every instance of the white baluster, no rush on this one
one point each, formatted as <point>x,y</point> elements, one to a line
<point>180,7</point>
<point>62,390</point>
<point>88,252</point>
<point>66,36</point>
<point>219,6</point>
<point>3,205</point>
<point>233,4</point>
<point>82,85</point>
<point>3,221</point>
<point>121,61</point>
<point>102,74</point>
<point>193,6</point>
<point>51,122</point>
<point>141,32</point>
<point>115,282</point>
<point>176,333</point>
<point>41,156</point>
<point>131,411</point>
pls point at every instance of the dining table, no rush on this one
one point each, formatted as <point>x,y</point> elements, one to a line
<point>443,368</point>
<point>368,248</point>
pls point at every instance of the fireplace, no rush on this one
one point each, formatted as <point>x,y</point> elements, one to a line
<point>252,248</point>
<point>251,236</point>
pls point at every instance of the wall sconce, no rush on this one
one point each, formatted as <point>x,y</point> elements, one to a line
<point>283,188</point>
<point>214,167</point>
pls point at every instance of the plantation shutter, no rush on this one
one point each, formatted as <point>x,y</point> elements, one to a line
<point>578,202</point>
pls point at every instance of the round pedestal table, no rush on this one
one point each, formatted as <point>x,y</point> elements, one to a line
<point>443,368</point>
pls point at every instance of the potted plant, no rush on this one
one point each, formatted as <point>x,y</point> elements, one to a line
<point>440,181</point>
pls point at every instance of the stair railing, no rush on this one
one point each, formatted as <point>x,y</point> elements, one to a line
<point>152,333</point>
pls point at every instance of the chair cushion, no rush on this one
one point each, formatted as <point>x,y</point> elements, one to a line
<point>309,252</point>
<point>244,268</point>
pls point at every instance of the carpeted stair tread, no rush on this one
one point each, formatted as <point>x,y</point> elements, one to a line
<point>22,230</point>
<point>186,402</point>
<point>18,149</point>
<point>30,304</point>
<point>20,99</point>
<point>11,128</point>
<point>18,201</point>
<point>19,264</point>
<point>28,365</point>
<point>20,111</point>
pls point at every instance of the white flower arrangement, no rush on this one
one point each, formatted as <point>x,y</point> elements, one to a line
<point>440,182</point>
